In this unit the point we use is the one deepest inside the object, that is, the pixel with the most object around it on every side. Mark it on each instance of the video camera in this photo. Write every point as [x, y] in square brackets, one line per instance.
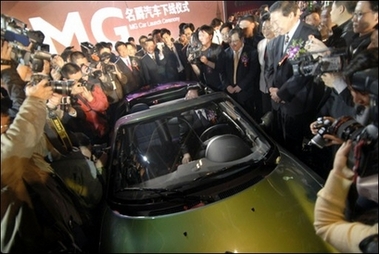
[93, 58]
[194, 48]
[99, 149]
[26, 44]
[90, 51]
[107, 68]
[306, 65]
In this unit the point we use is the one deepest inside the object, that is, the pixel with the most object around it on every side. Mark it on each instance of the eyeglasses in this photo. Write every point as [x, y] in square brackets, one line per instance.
[360, 14]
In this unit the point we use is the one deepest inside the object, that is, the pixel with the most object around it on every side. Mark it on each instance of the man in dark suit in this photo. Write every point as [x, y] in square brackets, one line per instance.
[250, 27]
[176, 59]
[295, 98]
[153, 64]
[192, 124]
[130, 66]
[188, 30]
[241, 70]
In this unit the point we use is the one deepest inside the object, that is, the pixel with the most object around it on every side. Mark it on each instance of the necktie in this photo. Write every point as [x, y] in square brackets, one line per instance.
[128, 63]
[235, 67]
[286, 41]
[202, 118]
[153, 56]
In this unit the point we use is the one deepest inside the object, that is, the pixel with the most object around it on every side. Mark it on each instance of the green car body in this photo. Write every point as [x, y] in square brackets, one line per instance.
[271, 211]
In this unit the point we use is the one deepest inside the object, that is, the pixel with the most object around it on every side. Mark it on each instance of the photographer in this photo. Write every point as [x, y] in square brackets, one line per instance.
[356, 85]
[38, 213]
[346, 208]
[330, 222]
[91, 99]
[112, 85]
[339, 101]
[205, 60]
[11, 79]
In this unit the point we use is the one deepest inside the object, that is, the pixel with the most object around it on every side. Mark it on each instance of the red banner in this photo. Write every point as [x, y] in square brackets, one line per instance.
[70, 23]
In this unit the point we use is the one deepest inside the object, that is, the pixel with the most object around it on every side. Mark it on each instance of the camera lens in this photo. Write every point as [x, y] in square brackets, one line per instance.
[346, 128]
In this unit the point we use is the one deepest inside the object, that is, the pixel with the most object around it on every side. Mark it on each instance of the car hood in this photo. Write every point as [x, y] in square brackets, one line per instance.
[274, 215]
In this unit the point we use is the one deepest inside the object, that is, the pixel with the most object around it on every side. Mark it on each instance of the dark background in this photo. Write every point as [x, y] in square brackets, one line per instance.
[239, 8]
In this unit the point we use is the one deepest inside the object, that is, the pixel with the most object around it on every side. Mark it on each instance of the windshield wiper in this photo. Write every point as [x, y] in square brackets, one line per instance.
[238, 168]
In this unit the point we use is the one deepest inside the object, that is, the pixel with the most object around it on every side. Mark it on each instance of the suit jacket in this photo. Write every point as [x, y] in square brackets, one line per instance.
[172, 62]
[209, 76]
[247, 76]
[300, 93]
[135, 78]
[190, 127]
[154, 71]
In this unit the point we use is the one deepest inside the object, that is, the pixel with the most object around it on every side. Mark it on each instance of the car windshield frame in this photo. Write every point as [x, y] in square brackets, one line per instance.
[128, 163]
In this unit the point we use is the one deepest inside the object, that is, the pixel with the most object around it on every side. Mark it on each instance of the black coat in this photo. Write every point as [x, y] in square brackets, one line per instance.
[300, 93]
[154, 71]
[135, 79]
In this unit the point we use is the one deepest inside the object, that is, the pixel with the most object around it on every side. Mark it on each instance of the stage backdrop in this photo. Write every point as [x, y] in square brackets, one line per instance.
[70, 23]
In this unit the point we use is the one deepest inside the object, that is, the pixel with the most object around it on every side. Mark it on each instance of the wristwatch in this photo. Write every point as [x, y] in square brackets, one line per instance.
[6, 62]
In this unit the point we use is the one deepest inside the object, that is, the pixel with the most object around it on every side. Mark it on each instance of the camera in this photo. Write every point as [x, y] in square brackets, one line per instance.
[59, 86]
[364, 139]
[90, 51]
[306, 65]
[344, 128]
[110, 68]
[38, 60]
[104, 56]
[99, 149]
[107, 68]
[194, 48]
[19, 37]
[322, 127]
[91, 70]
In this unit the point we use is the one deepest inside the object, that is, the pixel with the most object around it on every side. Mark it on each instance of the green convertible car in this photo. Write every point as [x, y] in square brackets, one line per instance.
[241, 192]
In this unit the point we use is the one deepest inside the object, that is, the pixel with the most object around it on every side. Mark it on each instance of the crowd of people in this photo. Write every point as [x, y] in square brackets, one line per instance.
[248, 57]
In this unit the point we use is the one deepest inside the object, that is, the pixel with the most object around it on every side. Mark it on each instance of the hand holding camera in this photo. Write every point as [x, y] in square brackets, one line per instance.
[341, 157]
[54, 101]
[329, 131]
[81, 89]
[40, 90]
[316, 47]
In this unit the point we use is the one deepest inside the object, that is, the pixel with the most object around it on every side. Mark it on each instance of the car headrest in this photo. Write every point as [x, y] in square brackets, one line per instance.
[139, 107]
[227, 147]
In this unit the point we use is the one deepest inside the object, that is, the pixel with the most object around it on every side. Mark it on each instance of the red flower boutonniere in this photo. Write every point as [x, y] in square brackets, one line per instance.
[294, 51]
[244, 59]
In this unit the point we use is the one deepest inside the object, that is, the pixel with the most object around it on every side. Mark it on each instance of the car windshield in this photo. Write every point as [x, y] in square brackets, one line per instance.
[149, 146]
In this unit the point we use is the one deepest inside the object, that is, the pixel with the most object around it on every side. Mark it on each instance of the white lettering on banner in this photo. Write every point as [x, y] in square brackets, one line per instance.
[134, 26]
[144, 12]
[98, 19]
[139, 13]
[72, 26]
[171, 20]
